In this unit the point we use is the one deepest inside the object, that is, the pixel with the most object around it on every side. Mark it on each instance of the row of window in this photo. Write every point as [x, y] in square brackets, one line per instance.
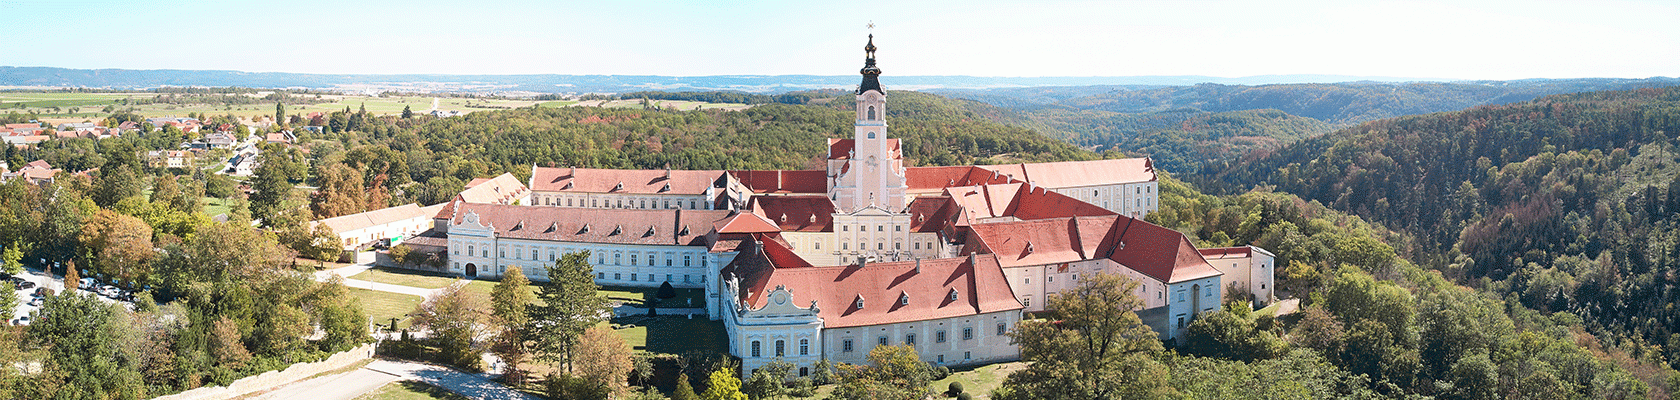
[634, 277]
[878, 228]
[619, 203]
[781, 347]
[846, 345]
[600, 257]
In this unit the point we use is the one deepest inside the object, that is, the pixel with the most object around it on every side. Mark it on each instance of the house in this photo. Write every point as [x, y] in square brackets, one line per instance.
[169, 158]
[280, 137]
[36, 172]
[394, 223]
[219, 140]
[1248, 269]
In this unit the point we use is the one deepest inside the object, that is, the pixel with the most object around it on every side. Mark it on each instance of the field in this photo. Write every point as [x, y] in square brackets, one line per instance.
[405, 278]
[78, 107]
[673, 335]
[382, 306]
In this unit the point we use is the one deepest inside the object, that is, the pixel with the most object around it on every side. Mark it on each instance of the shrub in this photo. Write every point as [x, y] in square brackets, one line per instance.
[965, 396]
[940, 372]
[955, 388]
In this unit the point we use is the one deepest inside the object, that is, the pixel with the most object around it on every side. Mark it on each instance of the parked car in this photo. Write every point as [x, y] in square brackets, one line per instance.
[43, 291]
[37, 301]
[21, 321]
[25, 285]
[88, 283]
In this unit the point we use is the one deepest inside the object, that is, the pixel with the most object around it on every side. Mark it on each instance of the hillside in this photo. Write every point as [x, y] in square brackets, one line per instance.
[1182, 140]
[1568, 202]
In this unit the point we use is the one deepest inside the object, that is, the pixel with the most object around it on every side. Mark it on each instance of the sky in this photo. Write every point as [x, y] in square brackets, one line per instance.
[1409, 39]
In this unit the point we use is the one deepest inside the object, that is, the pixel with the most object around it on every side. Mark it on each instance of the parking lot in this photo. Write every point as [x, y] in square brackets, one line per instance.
[26, 298]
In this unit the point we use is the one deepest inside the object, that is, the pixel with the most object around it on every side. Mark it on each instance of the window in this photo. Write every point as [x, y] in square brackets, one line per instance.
[1002, 328]
[633, 277]
[918, 246]
[618, 259]
[600, 275]
[804, 348]
[650, 277]
[501, 253]
[667, 261]
[702, 279]
[781, 348]
[804, 371]
[533, 254]
[968, 333]
[456, 250]
[898, 228]
[618, 276]
[1050, 279]
[551, 255]
[941, 358]
[632, 258]
[898, 246]
[939, 337]
[1180, 321]
[469, 250]
[845, 245]
[688, 260]
[880, 228]
[755, 346]
[685, 278]
[846, 346]
[1026, 301]
[667, 277]
[860, 303]
[904, 299]
[880, 246]
[871, 114]
[1027, 280]
[817, 245]
[845, 228]
[882, 341]
[871, 135]
[965, 356]
[910, 339]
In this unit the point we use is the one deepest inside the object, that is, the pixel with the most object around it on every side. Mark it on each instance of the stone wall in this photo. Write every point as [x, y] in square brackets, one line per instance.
[274, 379]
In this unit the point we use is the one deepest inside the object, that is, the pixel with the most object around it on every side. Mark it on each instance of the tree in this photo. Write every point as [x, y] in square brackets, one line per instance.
[569, 303]
[684, 390]
[11, 259]
[455, 319]
[769, 381]
[220, 186]
[340, 315]
[282, 330]
[323, 244]
[894, 373]
[1230, 334]
[602, 358]
[87, 344]
[116, 185]
[407, 112]
[280, 113]
[122, 244]
[72, 279]
[509, 303]
[1098, 350]
[226, 346]
[723, 385]
[401, 253]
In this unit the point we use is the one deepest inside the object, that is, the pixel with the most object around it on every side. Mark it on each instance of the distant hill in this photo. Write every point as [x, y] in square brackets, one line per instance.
[550, 83]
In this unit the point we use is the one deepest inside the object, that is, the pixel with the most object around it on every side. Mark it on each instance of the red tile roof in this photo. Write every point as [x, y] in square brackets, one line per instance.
[778, 181]
[989, 203]
[796, 213]
[931, 214]
[1079, 173]
[590, 180]
[1158, 252]
[502, 189]
[980, 286]
[745, 222]
[658, 227]
[1226, 252]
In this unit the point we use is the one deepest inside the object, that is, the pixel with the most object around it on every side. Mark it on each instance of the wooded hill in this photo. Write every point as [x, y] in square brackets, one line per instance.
[1569, 202]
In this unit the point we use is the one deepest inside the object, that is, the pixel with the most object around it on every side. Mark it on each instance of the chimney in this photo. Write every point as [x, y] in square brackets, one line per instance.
[862, 261]
[918, 265]
[971, 259]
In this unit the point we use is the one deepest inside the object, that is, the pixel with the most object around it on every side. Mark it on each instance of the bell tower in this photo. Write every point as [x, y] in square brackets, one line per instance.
[872, 174]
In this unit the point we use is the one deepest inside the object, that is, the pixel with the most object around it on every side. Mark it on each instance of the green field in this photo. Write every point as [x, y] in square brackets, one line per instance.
[410, 390]
[382, 306]
[639, 296]
[402, 277]
[673, 335]
[90, 105]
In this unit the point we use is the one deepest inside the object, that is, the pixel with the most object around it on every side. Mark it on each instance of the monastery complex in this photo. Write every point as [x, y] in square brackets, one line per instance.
[813, 264]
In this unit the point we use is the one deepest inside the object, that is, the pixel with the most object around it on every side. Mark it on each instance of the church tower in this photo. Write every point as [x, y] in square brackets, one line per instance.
[868, 170]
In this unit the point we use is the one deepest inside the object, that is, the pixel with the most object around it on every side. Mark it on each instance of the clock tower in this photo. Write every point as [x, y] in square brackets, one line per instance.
[869, 170]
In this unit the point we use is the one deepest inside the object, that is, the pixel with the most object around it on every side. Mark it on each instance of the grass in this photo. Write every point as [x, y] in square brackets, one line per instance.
[401, 277]
[673, 335]
[410, 390]
[639, 296]
[214, 206]
[978, 382]
[382, 306]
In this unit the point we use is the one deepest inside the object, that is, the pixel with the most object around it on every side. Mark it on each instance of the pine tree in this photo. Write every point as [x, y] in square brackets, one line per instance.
[407, 112]
[279, 113]
[570, 303]
[684, 391]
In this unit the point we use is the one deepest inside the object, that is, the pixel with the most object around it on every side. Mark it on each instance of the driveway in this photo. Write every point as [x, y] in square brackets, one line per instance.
[347, 386]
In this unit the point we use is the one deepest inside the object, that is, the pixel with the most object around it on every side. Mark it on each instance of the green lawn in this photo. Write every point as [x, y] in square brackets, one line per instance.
[673, 335]
[382, 306]
[639, 296]
[978, 382]
[214, 206]
[403, 277]
[410, 390]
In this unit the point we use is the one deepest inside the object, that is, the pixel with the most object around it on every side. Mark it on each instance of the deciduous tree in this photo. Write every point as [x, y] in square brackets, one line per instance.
[569, 303]
[455, 319]
[1098, 349]
[603, 358]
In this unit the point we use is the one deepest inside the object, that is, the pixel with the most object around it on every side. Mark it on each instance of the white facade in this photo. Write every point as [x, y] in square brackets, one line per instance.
[1135, 200]
[1247, 269]
[394, 223]
[873, 174]
[476, 251]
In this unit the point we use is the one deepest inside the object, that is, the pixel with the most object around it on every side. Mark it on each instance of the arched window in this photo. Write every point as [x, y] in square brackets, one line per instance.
[871, 116]
[755, 346]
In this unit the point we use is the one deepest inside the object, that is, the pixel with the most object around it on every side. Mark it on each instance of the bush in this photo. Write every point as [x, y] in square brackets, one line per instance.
[572, 387]
[801, 387]
[940, 372]
[965, 396]
[955, 388]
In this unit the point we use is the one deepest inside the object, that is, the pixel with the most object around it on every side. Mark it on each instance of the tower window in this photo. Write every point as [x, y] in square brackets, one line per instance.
[871, 118]
[871, 135]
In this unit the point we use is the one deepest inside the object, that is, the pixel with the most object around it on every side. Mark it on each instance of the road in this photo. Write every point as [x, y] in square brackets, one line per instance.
[348, 385]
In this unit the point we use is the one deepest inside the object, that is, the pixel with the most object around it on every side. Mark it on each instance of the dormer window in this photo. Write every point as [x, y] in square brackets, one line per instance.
[584, 230]
[1029, 247]
[619, 187]
[953, 295]
[903, 299]
[684, 231]
[667, 188]
[616, 230]
[859, 302]
[650, 232]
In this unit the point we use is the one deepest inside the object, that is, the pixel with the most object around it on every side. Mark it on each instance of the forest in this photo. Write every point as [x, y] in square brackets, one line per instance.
[1566, 203]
